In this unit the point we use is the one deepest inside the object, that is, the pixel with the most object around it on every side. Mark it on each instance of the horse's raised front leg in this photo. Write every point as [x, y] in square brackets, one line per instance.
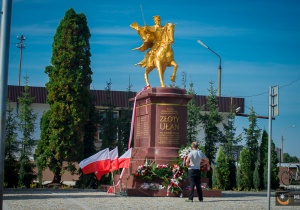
[173, 77]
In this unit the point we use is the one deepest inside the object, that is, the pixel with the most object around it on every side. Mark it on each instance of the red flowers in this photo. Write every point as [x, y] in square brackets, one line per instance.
[205, 168]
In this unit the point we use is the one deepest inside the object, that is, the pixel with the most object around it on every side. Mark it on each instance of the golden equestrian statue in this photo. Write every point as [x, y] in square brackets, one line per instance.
[157, 40]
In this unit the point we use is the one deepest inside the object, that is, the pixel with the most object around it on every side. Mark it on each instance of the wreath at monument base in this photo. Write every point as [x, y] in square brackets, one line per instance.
[160, 176]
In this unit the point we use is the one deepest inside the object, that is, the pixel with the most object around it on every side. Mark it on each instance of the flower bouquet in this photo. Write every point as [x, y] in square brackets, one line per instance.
[173, 184]
[205, 168]
[145, 171]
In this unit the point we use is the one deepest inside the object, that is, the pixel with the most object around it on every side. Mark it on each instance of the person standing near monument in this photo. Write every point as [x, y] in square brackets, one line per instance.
[194, 161]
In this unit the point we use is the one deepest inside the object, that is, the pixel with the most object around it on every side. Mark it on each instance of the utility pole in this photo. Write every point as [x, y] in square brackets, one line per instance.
[4, 61]
[20, 45]
[273, 112]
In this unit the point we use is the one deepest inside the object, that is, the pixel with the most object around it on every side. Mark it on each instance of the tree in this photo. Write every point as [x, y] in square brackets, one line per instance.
[68, 96]
[210, 121]
[124, 124]
[193, 116]
[246, 172]
[26, 126]
[11, 165]
[229, 141]
[288, 159]
[256, 179]
[265, 184]
[263, 158]
[252, 135]
[222, 173]
[264, 162]
[229, 138]
[108, 121]
[215, 183]
[274, 169]
[90, 130]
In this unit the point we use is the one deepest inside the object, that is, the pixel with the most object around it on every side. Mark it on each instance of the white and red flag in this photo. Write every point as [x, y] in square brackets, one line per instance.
[97, 162]
[114, 163]
[124, 160]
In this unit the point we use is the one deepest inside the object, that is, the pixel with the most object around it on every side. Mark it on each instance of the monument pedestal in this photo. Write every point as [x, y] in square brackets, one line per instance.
[160, 125]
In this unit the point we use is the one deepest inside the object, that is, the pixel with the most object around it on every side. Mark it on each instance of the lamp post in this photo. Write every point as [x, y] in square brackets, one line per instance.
[281, 153]
[219, 70]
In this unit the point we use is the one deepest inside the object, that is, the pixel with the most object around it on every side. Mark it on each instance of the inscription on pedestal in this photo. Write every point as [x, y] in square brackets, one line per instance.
[142, 127]
[169, 126]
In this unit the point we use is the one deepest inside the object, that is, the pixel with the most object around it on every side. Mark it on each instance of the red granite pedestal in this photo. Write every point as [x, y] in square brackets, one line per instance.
[160, 125]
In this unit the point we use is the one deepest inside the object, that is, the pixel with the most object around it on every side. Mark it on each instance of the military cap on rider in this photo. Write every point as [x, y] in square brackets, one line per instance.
[156, 17]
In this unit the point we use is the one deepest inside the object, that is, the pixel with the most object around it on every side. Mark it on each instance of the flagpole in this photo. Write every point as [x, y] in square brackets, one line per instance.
[113, 181]
[127, 180]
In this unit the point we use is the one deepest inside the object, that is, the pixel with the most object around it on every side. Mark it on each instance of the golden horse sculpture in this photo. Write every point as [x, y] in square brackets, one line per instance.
[158, 39]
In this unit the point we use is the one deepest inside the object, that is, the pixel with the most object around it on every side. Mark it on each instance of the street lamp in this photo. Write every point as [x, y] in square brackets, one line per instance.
[281, 155]
[219, 70]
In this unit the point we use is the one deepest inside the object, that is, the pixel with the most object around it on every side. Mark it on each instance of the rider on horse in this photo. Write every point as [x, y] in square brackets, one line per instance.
[157, 40]
[151, 37]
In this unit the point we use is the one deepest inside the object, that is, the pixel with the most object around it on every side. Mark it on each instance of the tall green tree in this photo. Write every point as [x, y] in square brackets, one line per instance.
[229, 141]
[68, 96]
[263, 158]
[245, 170]
[252, 134]
[264, 162]
[193, 116]
[222, 173]
[210, 121]
[11, 166]
[26, 126]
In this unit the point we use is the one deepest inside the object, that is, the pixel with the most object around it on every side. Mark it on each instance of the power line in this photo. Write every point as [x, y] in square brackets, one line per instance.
[286, 85]
[290, 83]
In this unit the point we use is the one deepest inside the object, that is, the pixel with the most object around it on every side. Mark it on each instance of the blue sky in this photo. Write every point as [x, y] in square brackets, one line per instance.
[258, 42]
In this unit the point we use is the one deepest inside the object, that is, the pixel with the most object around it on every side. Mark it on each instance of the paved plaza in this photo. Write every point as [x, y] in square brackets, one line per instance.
[51, 199]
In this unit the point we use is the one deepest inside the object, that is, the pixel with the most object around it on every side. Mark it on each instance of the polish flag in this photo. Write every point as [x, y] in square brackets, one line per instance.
[124, 160]
[114, 164]
[97, 162]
